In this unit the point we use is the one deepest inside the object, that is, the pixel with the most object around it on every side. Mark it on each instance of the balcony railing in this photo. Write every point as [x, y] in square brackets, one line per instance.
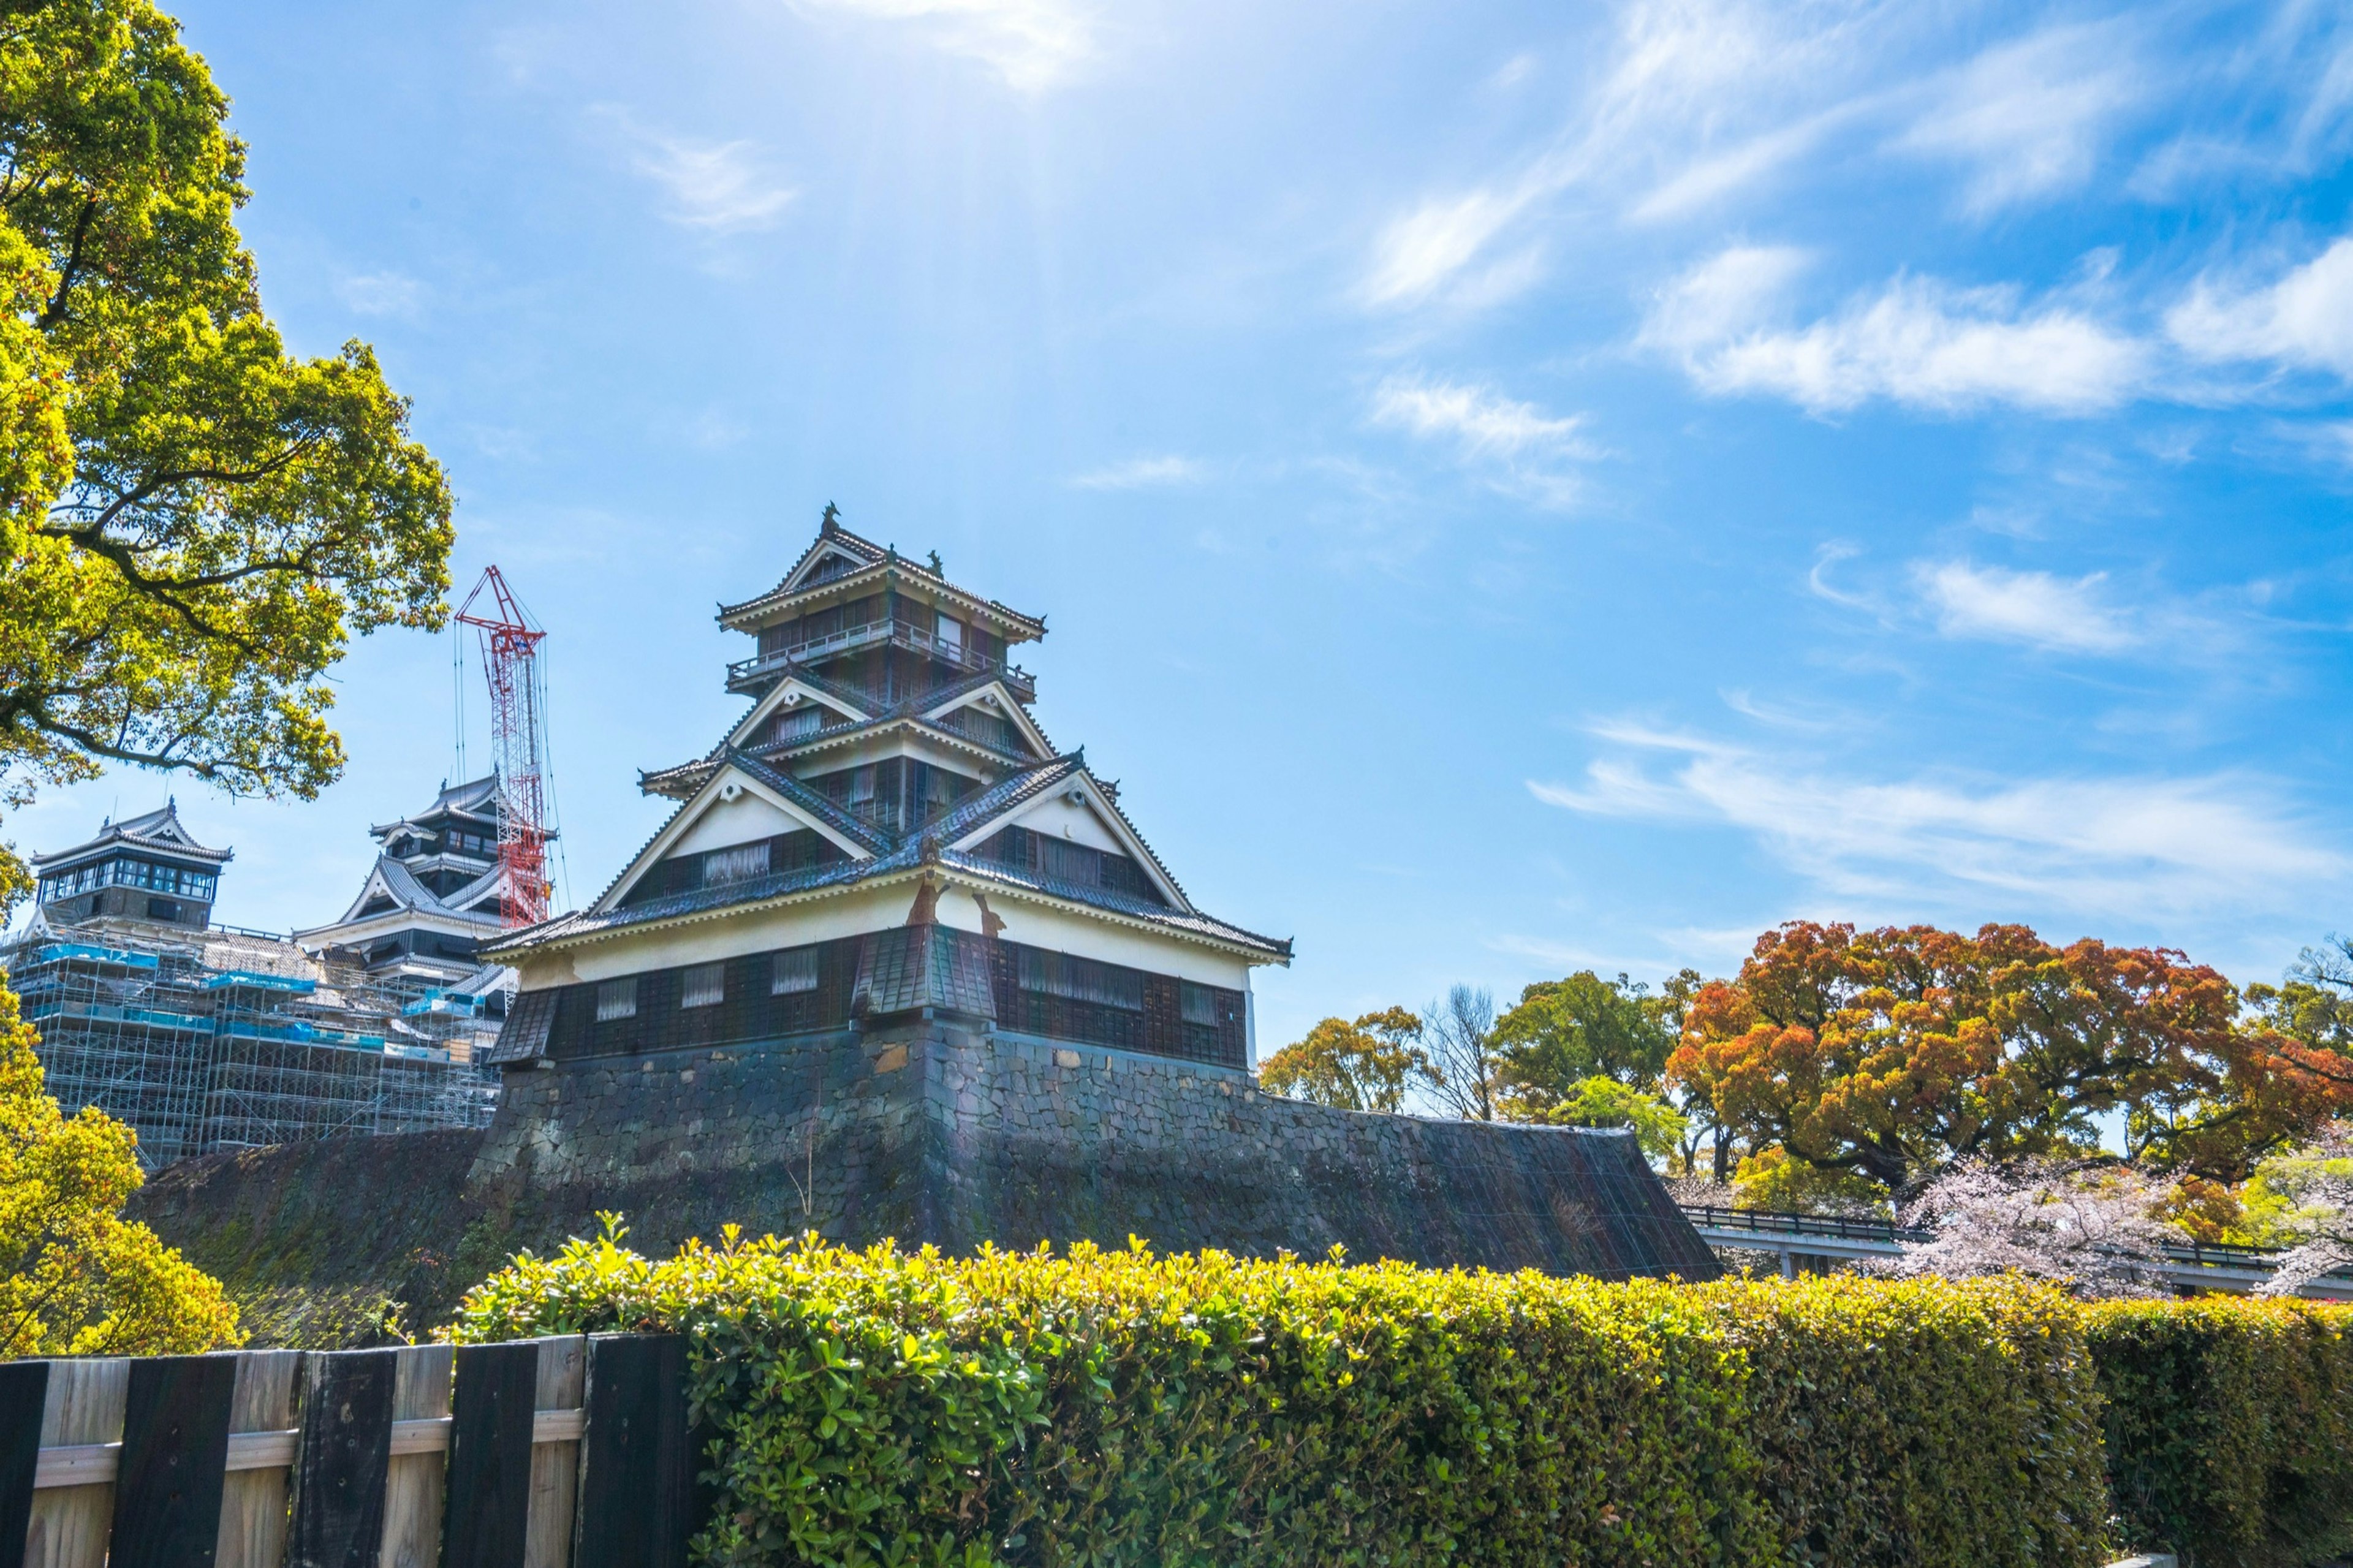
[759, 667]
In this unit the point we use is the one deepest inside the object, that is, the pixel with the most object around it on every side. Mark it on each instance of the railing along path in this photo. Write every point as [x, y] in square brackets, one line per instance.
[570, 1452]
[2194, 1265]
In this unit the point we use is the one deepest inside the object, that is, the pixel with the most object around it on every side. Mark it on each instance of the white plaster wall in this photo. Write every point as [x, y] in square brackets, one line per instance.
[747, 817]
[1058, 818]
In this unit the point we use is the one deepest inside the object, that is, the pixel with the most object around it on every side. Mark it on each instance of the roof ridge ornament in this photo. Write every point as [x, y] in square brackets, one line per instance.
[830, 524]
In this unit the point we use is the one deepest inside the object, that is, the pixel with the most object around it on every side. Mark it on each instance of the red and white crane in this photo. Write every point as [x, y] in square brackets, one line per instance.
[519, 739]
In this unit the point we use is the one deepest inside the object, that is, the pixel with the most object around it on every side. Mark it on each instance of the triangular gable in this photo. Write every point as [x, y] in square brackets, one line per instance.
[731, 782]
[388, 878]
[1046, 813]
[830, 548]
[792, 693]
[1006, 707]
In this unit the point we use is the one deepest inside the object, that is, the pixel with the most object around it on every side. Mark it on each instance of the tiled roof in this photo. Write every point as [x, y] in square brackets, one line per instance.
[688, 775]
[906, 856]
[158, 830]
[850, 543]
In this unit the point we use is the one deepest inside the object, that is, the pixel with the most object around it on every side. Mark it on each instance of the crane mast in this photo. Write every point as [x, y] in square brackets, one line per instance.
[518, 740]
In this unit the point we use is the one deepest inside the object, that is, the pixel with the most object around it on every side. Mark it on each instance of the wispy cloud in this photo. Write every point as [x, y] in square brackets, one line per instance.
[2303, 320]
[2027, 119]
[2119, 847]
[2061, 614]
[1032, 45]
[382, 294]
[721, 187]
[1521, 448]
[1914, 341]
[1141, 473]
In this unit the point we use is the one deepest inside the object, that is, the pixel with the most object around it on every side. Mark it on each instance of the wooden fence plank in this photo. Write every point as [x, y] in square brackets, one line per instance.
[167, 1489]
[24, 1392]
[340, 1468]
[487, 1512]
[253, 1503]
[84, 1406]
[556, 1467]
[412, 1488]
[636, 1478]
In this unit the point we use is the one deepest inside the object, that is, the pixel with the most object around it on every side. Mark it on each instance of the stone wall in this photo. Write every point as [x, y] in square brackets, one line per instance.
[929, 1132]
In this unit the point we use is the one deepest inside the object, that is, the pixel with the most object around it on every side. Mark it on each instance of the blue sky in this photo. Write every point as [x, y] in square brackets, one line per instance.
[1513, 487]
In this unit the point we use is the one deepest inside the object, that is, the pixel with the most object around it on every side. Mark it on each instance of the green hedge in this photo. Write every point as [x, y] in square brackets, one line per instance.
[2229, 1428]
[1106, 1408]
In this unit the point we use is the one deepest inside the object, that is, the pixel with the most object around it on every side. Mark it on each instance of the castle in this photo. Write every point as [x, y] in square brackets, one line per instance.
[896, 966]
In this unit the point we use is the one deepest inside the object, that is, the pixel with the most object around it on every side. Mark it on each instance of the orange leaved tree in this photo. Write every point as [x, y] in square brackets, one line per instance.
[1872, 1057]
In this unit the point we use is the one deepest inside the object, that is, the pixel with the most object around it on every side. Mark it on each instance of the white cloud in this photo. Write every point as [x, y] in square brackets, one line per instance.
[2064, 614]
[2121, 847]
[1915, 342]
[1522, 447]
[723, 187]
[1033, 45]
[382, 294]
[1141, 473]
[2027, 116]
[1484, 421]
[1430, 245]
[2304, 319]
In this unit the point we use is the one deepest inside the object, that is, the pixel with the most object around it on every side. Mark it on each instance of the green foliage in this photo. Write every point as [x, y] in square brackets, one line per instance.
[1605, 1103]
[1362, 1066]
[1119, 1407]
[76, 1279]
[193, 521]
[1563, 1032]
[2229, 1428]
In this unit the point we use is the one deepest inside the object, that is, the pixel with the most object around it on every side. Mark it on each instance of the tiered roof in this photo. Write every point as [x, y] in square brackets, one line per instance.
[1009, 783]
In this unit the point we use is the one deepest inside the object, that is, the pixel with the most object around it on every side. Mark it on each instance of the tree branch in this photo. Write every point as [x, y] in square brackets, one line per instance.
[56, 313]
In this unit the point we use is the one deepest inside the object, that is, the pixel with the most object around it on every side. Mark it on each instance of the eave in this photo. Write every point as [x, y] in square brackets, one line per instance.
[1257, 951]
[1008, 623]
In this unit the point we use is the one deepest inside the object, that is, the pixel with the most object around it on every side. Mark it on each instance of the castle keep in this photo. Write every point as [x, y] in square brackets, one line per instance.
[885, 834]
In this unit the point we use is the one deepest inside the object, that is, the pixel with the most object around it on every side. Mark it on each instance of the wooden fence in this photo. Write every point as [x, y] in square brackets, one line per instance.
[553, 1453]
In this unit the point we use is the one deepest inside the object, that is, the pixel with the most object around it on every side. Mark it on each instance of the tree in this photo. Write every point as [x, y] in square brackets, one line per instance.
[2310, 1193]
[194, 522]
[1886, 1055]
[1362, 1066]
[1562, 1032]
[1605, 1103]
[1460, 1068]
[2095, 1230]
[75, 1278]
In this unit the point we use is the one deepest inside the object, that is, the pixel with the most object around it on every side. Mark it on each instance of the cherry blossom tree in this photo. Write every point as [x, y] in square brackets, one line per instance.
[2092, 1230]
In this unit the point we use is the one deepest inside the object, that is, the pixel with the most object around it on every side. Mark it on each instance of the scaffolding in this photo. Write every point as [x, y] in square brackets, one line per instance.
[231, 1039]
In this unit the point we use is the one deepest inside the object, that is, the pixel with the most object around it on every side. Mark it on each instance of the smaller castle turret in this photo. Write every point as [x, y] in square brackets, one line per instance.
[148, 868]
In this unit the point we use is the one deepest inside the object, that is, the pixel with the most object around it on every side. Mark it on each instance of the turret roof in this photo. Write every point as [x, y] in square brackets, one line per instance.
[156, 832]
[874, 559]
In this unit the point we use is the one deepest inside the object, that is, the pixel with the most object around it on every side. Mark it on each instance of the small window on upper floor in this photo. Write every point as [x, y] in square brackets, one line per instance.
[616, 999]
[739, 864]
[1198, 1004]
[705, 986]
[951, 633]
[795, 972]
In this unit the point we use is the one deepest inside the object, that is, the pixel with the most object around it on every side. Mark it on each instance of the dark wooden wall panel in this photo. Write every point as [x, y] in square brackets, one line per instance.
[24, 1391]
[485, 1522]
[636, 1482]
[167, 1493]
[340, 1468]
